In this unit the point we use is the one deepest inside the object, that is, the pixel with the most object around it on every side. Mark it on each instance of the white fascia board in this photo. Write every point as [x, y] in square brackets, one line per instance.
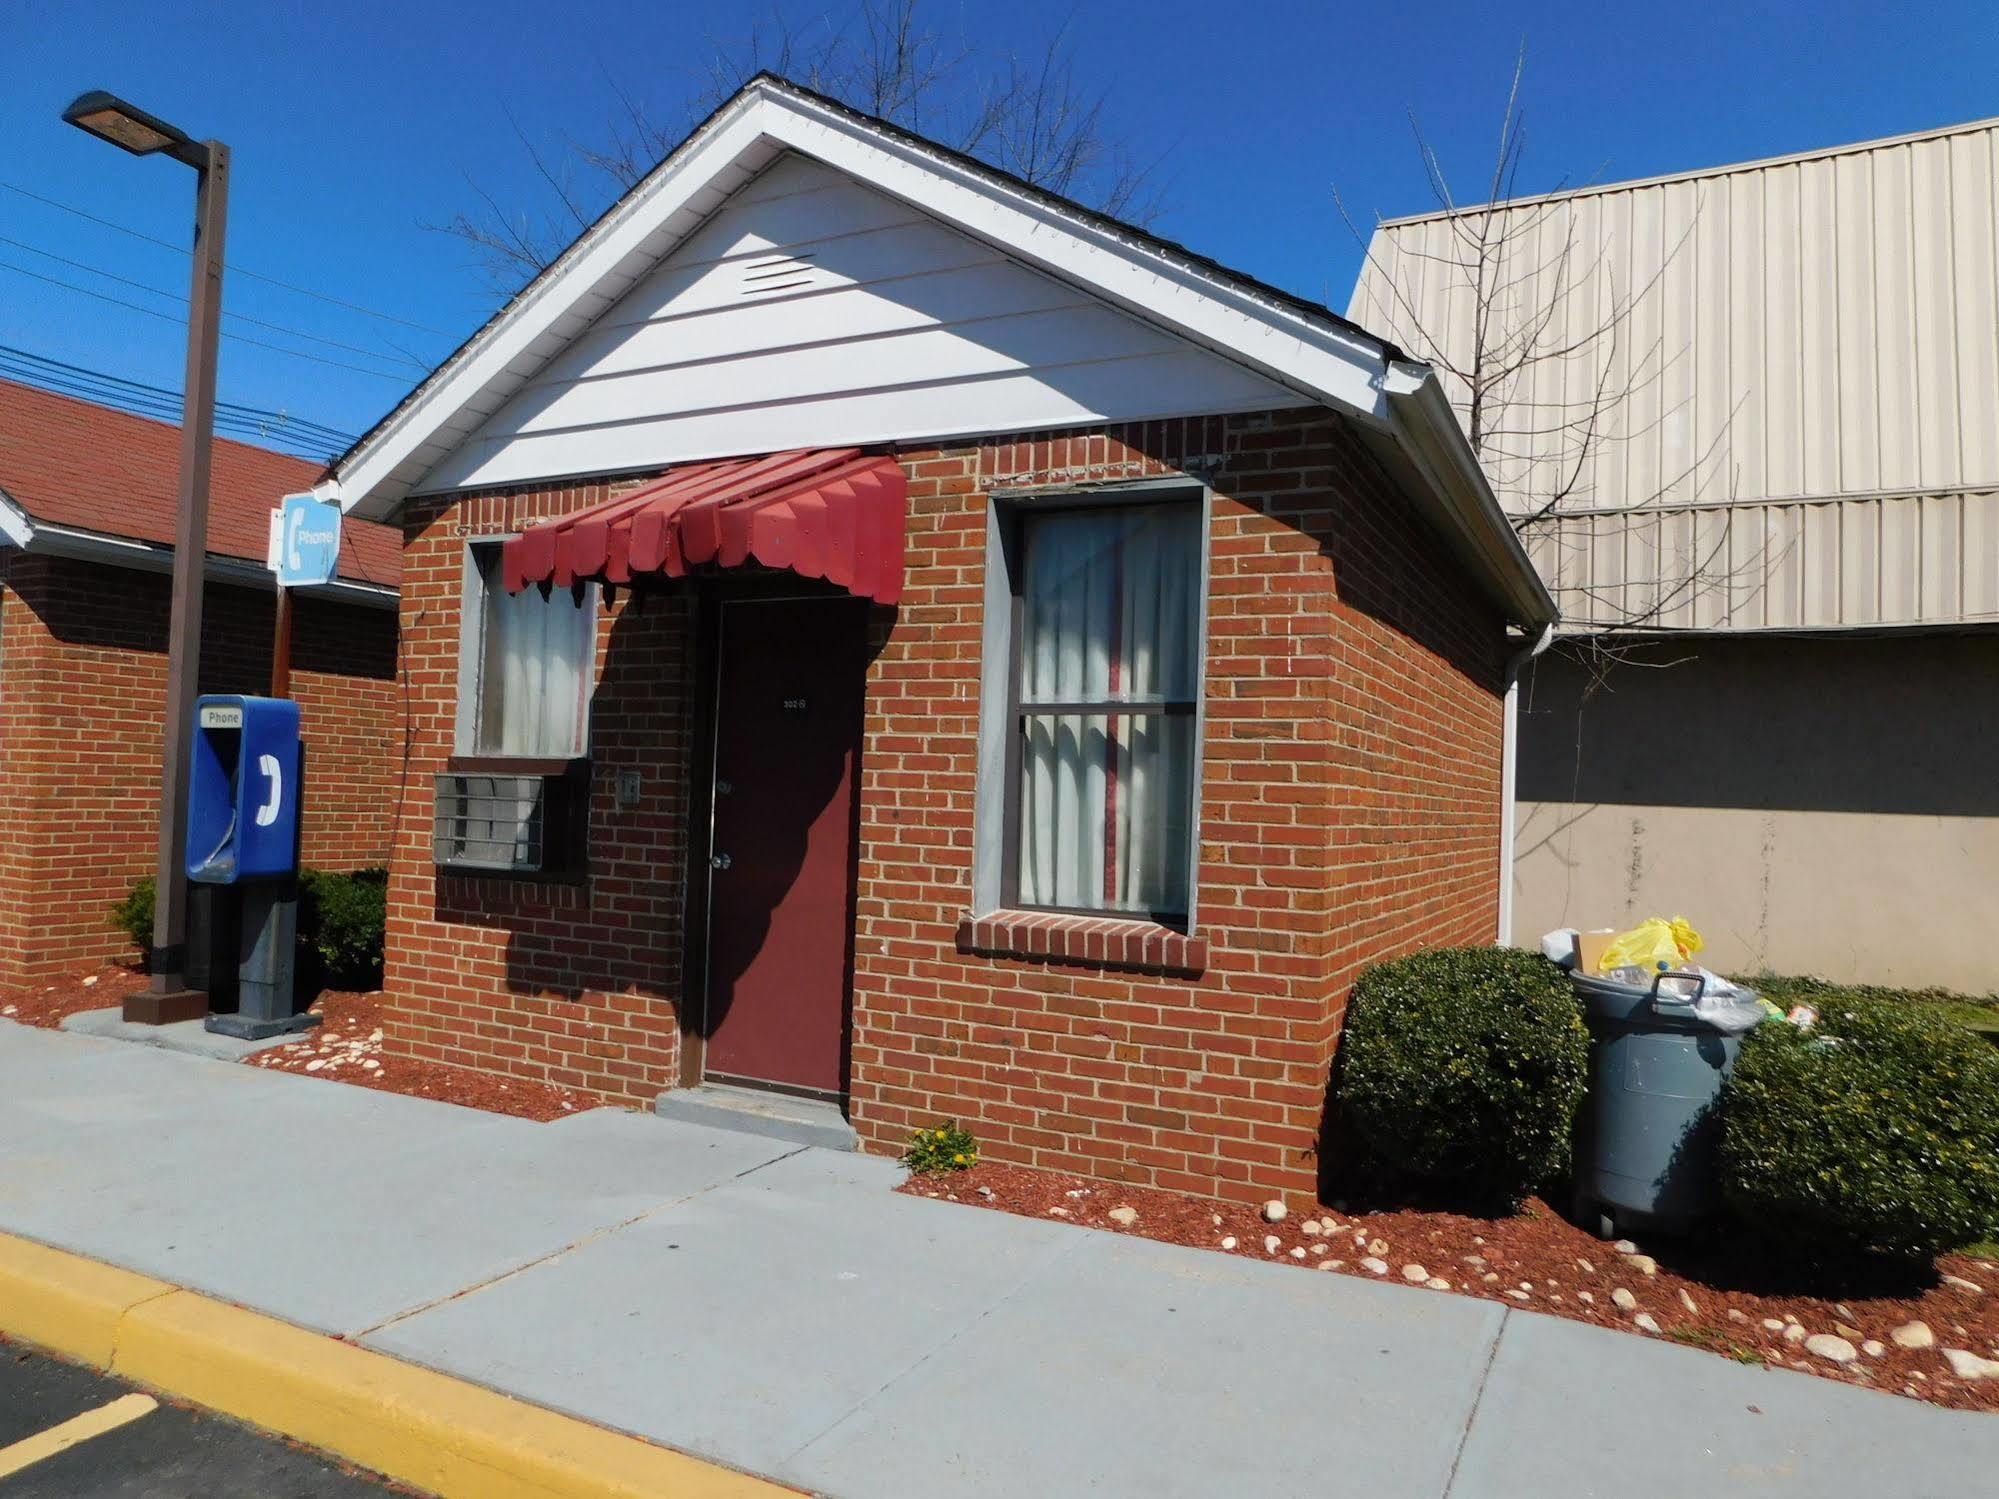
[15, 527]
[366, 486]
[1334, 365]
[146, 556]
[1428, 434]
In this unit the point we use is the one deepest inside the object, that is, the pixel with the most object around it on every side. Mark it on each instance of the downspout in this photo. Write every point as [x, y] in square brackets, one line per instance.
[1508, 770]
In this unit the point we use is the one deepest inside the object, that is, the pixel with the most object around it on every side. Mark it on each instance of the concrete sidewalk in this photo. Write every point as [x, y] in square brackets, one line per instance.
[782, 1311]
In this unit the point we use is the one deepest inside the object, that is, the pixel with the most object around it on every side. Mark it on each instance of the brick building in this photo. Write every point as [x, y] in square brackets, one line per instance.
[884, 636]
[87, 500]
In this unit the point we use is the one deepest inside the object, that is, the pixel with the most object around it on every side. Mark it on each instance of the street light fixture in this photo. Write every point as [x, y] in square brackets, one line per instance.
[130, 128]
[110, 118]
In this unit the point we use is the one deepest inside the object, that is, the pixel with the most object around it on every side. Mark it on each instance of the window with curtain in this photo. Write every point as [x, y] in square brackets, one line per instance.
[532, 659]
[1105, 690]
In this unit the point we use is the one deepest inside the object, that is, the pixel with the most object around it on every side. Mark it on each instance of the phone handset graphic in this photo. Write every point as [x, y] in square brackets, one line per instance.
[268, 766]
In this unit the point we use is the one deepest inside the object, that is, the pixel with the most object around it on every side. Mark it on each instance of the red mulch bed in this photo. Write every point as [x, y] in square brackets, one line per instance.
[47, 1005]
[348, 1038]
[1539, 1261]
[347, 1047]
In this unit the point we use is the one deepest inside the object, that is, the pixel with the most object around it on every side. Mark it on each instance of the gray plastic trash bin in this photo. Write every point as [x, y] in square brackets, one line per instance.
[1651, 1124]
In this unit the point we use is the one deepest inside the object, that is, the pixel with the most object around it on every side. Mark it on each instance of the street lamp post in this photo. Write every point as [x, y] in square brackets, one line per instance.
[131, 129]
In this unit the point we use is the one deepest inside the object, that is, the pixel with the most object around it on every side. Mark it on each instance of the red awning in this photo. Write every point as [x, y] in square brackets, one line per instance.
[821, 513]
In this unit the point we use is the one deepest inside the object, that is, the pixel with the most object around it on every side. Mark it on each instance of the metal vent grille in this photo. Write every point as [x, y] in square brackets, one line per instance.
[491, 822]
[775, 273]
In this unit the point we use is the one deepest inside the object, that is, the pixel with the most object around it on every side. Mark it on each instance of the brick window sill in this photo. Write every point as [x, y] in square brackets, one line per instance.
[1095, 941]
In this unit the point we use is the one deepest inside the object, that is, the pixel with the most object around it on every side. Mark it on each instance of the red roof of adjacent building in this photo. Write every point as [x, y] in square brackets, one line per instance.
[74, 463]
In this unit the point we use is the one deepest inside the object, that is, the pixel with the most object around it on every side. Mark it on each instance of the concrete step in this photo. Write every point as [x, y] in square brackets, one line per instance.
[776, 1116]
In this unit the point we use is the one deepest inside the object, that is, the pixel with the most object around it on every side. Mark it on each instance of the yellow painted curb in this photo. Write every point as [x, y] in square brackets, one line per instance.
[410, 1424]
[65, 1302]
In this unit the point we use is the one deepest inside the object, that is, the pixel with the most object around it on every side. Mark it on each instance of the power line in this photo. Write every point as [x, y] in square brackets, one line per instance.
[276, 432]
[267, 434]
[241, 317]
[42, 367]
[167, 244]
[86, 372]
[241, 338]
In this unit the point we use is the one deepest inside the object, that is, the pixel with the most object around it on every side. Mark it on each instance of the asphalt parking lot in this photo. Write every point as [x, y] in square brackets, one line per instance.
[70, 1433]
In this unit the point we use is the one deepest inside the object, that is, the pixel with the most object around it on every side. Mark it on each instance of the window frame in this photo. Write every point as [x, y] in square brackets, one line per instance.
[469, 708]
[997, 814]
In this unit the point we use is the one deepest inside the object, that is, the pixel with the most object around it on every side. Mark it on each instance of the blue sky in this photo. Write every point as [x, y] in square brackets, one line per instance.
[353, 124]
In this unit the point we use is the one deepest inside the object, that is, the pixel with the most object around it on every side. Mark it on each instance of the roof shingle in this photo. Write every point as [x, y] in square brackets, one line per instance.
[70, 462]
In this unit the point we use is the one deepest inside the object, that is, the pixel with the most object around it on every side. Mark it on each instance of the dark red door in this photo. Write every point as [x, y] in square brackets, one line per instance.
[780, 903]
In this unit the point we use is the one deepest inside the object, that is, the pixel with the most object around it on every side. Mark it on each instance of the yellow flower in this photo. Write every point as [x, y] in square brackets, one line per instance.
[940, 1134]
[958, 1159]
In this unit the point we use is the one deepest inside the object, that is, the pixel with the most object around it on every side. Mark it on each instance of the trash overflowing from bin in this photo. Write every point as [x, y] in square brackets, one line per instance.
[1661, 950]
[1664, 1035]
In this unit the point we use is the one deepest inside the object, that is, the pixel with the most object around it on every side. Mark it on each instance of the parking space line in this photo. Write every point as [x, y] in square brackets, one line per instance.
[67, 1434]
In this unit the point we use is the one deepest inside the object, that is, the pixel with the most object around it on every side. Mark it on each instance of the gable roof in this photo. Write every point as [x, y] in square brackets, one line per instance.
[75, 465]
[1300, 345]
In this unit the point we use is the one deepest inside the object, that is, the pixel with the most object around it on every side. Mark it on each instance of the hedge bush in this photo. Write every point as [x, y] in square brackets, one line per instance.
[340, 917]
[1876, 1131]
[134, 914]
[1463, 1067]
[340, 921]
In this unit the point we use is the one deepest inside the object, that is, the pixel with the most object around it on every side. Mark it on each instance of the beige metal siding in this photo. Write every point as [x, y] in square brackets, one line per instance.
[1809, 429]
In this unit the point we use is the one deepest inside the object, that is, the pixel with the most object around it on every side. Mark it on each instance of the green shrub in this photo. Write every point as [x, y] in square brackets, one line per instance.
[942, 1148]
[1978, 1012]
[340, 921]
[1463, 1067]
[1875, 1131]
[134, 914]
[340, 918]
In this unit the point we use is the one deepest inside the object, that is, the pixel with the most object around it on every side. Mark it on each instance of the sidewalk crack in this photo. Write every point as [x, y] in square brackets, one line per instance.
[554, 1254]
[1478, 1398]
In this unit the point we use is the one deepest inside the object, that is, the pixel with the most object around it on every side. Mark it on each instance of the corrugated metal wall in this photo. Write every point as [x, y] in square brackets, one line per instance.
[1803, 423]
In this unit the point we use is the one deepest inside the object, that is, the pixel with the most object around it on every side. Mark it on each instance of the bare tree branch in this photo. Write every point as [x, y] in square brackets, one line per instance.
[1028, 114]
[1538, 334]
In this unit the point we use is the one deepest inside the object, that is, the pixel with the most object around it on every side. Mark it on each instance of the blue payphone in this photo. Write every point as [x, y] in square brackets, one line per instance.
[245, 784]
[243, 790]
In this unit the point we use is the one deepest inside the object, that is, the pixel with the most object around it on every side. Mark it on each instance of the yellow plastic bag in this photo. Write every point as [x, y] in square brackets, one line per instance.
[1650, 943]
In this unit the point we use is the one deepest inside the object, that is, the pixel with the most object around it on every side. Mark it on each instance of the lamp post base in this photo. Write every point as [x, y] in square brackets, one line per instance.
[149, 1008]
[250, 1028]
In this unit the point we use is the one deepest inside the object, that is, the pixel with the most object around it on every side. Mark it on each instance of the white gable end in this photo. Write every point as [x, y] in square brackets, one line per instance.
[814, 310]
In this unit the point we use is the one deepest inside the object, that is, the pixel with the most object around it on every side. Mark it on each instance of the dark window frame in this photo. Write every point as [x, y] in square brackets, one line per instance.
[1015, 517]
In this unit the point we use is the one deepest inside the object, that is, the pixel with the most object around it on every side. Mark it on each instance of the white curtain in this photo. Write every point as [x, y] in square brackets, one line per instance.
[1110, 608]
[534, 669]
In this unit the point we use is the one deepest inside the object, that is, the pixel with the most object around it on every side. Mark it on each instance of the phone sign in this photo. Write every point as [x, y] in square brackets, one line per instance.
[305, 547]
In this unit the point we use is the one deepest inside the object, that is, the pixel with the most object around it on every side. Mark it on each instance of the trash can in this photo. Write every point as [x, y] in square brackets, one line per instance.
[1650, 1125]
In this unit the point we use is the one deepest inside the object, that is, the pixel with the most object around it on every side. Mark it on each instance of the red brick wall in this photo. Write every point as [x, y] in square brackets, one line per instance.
[82, 686]
[1350, 811]
[574, 983]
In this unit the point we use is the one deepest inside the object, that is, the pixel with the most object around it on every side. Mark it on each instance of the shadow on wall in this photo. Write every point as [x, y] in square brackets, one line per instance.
[572, 935]
[1390, 566]
[106, 608]
[1881, 724]
[622, 927]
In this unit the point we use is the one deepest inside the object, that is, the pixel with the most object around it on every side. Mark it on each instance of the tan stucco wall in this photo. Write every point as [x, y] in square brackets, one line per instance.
[1824, 806]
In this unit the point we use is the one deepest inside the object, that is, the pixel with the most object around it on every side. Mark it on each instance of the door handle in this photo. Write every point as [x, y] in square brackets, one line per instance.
[719, 861]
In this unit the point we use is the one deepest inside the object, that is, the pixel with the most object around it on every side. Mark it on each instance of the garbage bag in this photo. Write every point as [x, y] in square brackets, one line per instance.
[1559, 946]
[1728, 1007]
[1653, 943]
